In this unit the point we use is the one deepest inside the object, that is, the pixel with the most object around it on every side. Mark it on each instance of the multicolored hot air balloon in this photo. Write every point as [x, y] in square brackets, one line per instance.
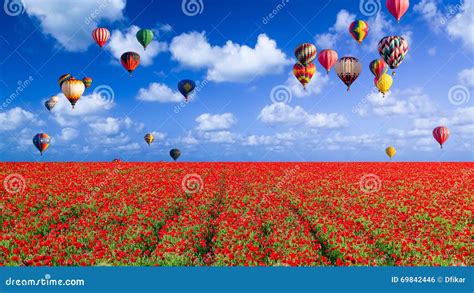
[393, 50]
[397, 8]
[101, 35]
[41, 142]
[87, 82]
[185, 87]
[49, 104]
[384, 83]
[63, 78]
[304, 73]
[359, 30]
[175, 153]
[305, 53]
[327, 58]
[348, 69]
[390, 151]
[144, 37]
[149, 138]
[130, 61]
[73, 90]
[378, 67]
[441, 134]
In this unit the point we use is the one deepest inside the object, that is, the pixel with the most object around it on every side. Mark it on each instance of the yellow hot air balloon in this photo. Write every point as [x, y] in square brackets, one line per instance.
[149, 138]
[73, 90]
[384, 83]
[390, 151]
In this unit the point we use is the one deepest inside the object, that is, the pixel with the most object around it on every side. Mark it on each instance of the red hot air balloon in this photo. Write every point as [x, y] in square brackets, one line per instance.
[441, 134]
[398, 8]
[101, 36]
[327, 58]
[130, 61]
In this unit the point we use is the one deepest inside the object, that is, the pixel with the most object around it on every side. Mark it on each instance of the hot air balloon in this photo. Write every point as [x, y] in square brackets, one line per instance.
[101, 35]
[348, 69]
[49, 104]
[393, 50]
[73, 90]
[41, 142]
[149, 138]
[441, 134]
[130, 61]
[384, 82]
[175, 153]
[87, 82]
[378, 67]
[397, 8]
[116, 161]
[304, 73]
[327, 58]
[305, 53]
[359, 30]
[390, 151]
[144, 37]
[63, 78]
[185, 87]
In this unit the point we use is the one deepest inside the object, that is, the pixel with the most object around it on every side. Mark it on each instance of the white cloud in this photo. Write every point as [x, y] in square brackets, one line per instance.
[215, 122]
[159, 135]
[17, 117]
[336, 32]
[159, 92]
[71, 24]
[129, 147]
[120, 43]
[219, 137]
[281, 113]
[189, 139]
[315, 87]
[466, 77]
[231, 62]
[461, 26]
[253, 140]
[68, 134]
[415, 104]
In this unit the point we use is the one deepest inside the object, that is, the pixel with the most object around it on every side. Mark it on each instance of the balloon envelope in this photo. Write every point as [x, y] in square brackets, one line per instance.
[397, 8]
[149, 138]
[327, 58]
[359, 30]
[393, 50]
[384, 83]
[348, 69]
[73, 90]
[175, 153]
[305, 53]
[304, 73]
[185, 87]
[101, 35]
[87, 82]
[390, 151]
[130, 61]
[41, 142]
[144, 37]
[441, 135]
[63, 78]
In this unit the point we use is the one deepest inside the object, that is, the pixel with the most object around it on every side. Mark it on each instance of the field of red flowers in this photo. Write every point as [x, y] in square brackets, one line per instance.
[227, 214]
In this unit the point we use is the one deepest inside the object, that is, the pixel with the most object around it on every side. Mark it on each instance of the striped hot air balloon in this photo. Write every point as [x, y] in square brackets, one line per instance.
[348, 69]
[130, 61]
[304, 73]
[441, 134]
[87, 82]
[305, 53]
[149, 138]
[101, 35]
[63, 78]
[397, 8]
[41, 142]
[393, 50]
[359, 30]
[73, 90]
[327, 58]
[378, 67]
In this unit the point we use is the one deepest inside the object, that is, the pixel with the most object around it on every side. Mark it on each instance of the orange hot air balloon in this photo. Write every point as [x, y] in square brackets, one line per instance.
[304, 73]
[73, 90]
[327, 58]
[130, 61]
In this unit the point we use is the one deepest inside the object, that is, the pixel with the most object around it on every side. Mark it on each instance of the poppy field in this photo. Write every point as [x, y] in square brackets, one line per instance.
[236, 214]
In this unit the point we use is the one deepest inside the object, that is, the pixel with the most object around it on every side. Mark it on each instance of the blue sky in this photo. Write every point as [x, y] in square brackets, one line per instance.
[249, 107]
